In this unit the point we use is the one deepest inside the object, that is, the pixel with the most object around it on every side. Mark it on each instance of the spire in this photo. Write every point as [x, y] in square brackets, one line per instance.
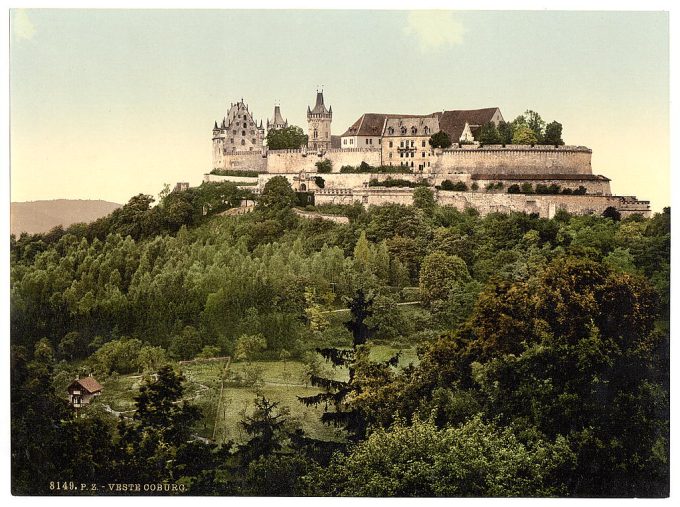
[215, 127]
[319, 107]
[278, 119]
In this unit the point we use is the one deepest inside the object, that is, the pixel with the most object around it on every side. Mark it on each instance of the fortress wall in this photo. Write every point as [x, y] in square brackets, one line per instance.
[216, 178]
[515, 159]
[544, 205]
[353, 157]
[596, 187]
[244, 161]
[291, 161]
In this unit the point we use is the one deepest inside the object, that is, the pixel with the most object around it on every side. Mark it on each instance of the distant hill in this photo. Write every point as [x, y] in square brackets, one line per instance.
[41, 216]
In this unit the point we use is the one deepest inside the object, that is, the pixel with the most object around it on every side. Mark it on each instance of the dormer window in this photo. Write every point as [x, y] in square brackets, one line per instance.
[427, 130]
[414, 130]
[403, 130]
[390, 130]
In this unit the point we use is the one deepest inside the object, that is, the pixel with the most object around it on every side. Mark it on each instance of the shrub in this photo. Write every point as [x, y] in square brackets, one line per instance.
[460, 186]
[324, 166]
[527, 188]
[513, 189]
[320, 182]
[475, 186]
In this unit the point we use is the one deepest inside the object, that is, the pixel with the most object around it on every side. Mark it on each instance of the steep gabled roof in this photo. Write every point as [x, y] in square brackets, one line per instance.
[371, 124]
[88, 383]
[453, 122]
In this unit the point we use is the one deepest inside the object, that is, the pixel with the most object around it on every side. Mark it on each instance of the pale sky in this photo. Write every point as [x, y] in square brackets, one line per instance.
[106, 104]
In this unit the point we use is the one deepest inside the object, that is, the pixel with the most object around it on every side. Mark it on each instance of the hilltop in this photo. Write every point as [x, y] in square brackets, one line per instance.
[41, 216]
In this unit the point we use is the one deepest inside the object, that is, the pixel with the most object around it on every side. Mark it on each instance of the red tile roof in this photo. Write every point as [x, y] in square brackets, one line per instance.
[88, 383]
[371, 124]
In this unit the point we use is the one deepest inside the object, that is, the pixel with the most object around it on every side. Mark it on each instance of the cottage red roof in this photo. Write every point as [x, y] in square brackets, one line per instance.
[87, 383]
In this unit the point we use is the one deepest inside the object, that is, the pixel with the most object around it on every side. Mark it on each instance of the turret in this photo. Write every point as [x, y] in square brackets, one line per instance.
[319, 124]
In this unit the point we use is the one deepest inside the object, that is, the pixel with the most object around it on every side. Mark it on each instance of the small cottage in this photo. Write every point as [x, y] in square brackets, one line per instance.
[82, 390]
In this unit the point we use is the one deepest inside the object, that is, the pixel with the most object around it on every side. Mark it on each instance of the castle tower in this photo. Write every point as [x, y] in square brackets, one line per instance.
[278, 122]
[319, 125]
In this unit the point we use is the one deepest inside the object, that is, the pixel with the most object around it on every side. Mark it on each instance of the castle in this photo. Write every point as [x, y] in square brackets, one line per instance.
[466, 174]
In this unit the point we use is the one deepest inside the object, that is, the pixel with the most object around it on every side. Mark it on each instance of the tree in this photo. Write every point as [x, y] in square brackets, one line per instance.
[488, 134]
[151, 358]
[324, 166]
[523, 134]
[287, 138]
[440, 140]
[535, 123]
[248, 346]
[160, 428]
[505, 132]
[266, 427]
[423, 198]
[553, 134]
[277, 196]
[338, 393]
[439, 273]
[613, 213]
[420, 460]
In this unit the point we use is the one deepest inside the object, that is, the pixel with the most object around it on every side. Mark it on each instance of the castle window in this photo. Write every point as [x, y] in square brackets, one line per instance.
[403, 130]
[390, 144]
[231, 140]
[245, 124]
[243, 142]
[233, 132]
[390, 130]
[423, 154]
[390, 154]
[243, 132]
[414, 130]
[344, 141]
[401, 144]
[413, 143]
[351, 141]
[254, 141]
[423, 144]
[427, 130]
[316, 133]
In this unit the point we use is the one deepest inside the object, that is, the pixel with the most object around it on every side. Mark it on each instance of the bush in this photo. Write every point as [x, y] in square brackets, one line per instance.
[513, 189]
[475, 186]
[460, 186]
[242, 173]
[320, 182]
[324, 166]
[527, 188]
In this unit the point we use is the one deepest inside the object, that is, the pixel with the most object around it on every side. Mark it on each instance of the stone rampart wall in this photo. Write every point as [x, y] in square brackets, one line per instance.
[515, 159]
[544, 205]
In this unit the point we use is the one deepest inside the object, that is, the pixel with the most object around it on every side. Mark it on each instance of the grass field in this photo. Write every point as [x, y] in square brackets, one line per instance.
[278, 381]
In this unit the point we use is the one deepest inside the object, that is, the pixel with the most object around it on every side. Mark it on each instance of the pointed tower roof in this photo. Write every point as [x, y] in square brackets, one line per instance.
[278, 119]
[319, 107]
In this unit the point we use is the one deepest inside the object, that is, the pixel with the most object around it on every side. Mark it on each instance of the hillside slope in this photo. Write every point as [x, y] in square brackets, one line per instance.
[41, 216]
